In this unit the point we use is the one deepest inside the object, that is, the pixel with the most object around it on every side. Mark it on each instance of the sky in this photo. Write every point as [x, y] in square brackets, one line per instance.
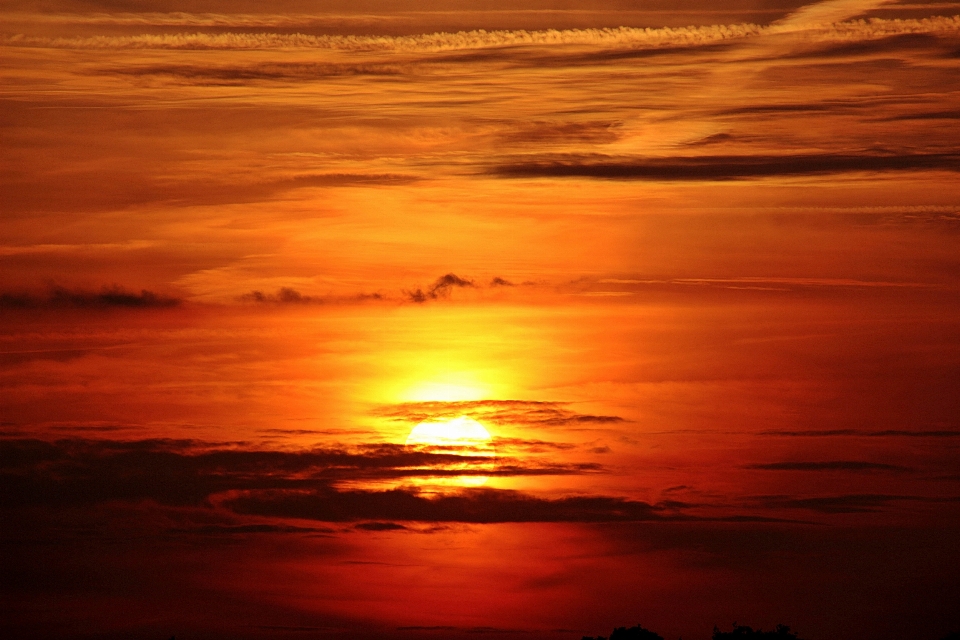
[449, 320]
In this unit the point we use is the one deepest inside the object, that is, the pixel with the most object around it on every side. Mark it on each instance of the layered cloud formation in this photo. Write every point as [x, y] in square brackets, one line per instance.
[694, 268]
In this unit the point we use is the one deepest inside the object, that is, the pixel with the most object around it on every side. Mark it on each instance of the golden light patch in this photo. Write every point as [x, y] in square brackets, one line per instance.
[445, 392]
[460, 436]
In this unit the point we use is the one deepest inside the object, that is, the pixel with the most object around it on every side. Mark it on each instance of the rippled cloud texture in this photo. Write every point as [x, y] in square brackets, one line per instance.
[693, 267]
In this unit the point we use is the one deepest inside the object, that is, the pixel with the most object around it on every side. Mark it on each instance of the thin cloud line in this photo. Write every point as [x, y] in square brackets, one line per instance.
[630, 37]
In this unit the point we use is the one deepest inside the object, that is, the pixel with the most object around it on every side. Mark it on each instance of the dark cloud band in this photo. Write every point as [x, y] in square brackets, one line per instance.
[725, 167]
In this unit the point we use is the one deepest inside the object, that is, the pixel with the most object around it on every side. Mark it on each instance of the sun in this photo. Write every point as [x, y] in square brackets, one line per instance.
[460, 436]
[461, 433]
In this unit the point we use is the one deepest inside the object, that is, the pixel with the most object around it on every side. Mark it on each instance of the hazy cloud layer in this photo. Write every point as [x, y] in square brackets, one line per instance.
[481, 506]
[517, 412]
[107, 297]
[290, 296]
[182, 472]
[284, 484]
[883, 433]
[697, 168]
[274, 71]
[819, 27]
[850, 503]
[733, 249]
[829, 465]
[306, 485]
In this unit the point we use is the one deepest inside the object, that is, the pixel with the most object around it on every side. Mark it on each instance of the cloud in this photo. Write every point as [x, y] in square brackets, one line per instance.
[290, 296]
[533, 446]
[79, 471]
[680, 168]
[444, 285]
[108, 297]
[284, 295]
[289, 484]
[819, 22]
[380, 526]
[247, 529]
[439, 289]
[126, 188]
[849, 503]
[517, 412]
[478, 506]
[923, 115]
[716, 138]
[426, 43]
[626, 286]
[831, 465]
[273, 72]
[826, 13]
[563, 132]
[884, 433]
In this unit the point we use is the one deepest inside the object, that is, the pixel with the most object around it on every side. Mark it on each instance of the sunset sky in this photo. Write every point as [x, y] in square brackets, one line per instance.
[447, 320]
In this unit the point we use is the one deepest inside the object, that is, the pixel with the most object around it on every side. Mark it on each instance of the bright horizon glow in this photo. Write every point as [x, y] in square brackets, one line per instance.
[445, 392]
[456, 432]
[539, 319]
[461, 436]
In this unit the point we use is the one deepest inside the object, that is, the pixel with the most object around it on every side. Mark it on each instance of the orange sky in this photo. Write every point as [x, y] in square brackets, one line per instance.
[693, 266]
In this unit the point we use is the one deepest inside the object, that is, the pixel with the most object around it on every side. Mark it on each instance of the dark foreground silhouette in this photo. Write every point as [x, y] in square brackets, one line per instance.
[633, 633]
[739, 632]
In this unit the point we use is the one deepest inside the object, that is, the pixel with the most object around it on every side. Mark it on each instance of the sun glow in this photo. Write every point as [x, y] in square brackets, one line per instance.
[460, 433]
[445, 392]
[460, 436]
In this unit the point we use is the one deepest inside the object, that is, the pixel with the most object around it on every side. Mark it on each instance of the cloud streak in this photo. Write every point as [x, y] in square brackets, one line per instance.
[825, 29]
[108, 297]
[847, 503]
[308, 484]
[883, 433]
[503, 412]
[828, 465]
[441, 288]
[826, 13]
[740, 167]
[479, 506]
[185, 472]
[273, 71]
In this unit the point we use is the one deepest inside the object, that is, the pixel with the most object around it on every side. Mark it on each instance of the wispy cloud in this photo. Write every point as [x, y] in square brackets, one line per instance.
[827, 465]
[820, 21]
[519, 412]
[441, 288]
[186, 472]
[847, 503]
[108, 297]
[471, 506]
[882, 433]
[290, 296]
[436, 42]
[284, 295]
[827, 13]
[267, 71]
[697, 168]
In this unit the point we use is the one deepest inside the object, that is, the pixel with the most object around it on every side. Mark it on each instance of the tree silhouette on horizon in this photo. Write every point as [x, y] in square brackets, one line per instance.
[633, 633]
[739, 632]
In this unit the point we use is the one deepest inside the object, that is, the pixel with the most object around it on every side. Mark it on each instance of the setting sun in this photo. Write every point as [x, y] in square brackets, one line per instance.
[530, 319]
[463, 433]
[460, 436]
